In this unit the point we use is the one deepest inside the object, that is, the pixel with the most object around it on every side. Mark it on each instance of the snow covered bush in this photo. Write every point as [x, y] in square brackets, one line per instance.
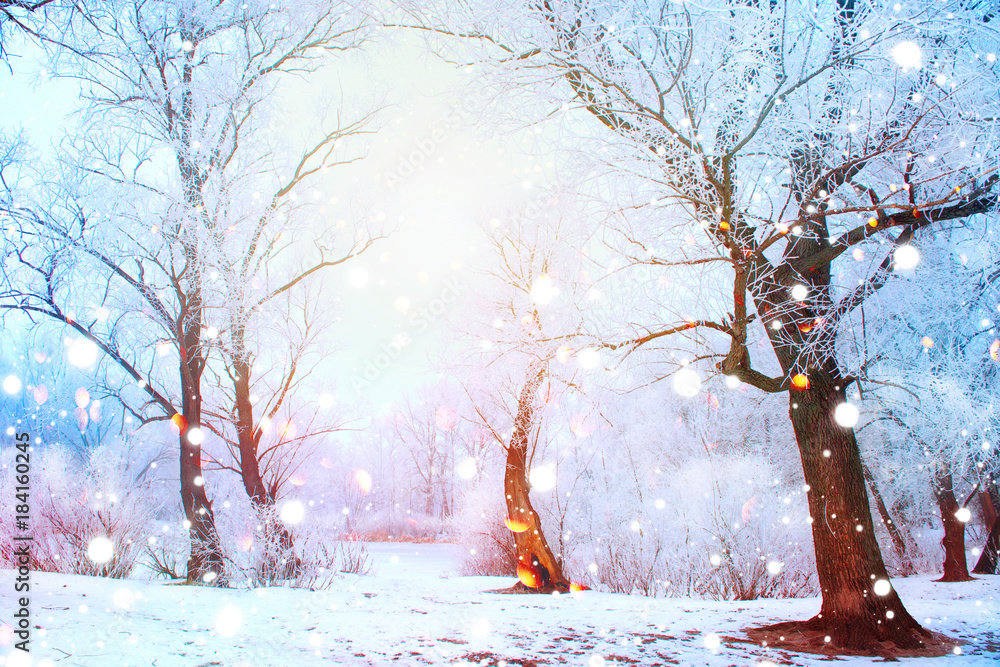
[692, 498]
[488, 544]
[91, 512]
[282, 548]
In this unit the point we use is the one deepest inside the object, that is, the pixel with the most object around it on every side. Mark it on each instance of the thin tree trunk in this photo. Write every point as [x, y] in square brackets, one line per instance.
[205, 563]
[898, 541]
[955, 566]
[537, 568]
[279, 560]
[989, 509]
[987, 563]
[990, 558]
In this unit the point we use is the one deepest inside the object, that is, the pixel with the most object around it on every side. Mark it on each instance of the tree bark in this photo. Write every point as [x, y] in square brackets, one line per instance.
[898, 541]
[279, 560]
[987, 563]
[955, 566]
[850, 567]
[990, 558]
[989, 509]
[537, 568]
[205, 563]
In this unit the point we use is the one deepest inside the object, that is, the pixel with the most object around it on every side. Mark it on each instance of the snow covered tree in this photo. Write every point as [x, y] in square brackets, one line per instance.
[933, 370]
[178, 100]
[536, 306]
[18, 15]
[773, 142]
[276, 246]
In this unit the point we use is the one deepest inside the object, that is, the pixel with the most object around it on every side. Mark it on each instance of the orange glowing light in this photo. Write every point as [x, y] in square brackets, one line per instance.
[724, 226]
[577, 588]
[873, 222]
[805, 327]
[364, 480]
[995, 350]
[515, 525]
[927, 342]
[288, 431]
[297, 480]
[181, 422]
[747, 510]
[528, 575]
[800, 381]
[246, 543]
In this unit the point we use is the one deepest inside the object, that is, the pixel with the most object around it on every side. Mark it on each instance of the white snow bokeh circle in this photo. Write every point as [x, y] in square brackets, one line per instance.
[906, 257]
[81, 353]
[293, 512]
[100, 550]
[12, 384]
[542, 478]
[687, 382]
[466, 468]
[907, 54]
[846, 415]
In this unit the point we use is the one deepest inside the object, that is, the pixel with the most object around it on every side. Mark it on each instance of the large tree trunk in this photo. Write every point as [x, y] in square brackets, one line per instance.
[537, 568]
[857, 612]
[955, 566]
[898, 541]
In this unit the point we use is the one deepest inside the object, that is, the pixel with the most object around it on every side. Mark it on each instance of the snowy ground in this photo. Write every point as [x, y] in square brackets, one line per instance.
[415, 610]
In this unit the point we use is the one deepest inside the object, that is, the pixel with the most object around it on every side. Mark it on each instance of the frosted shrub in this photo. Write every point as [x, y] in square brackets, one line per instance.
[706, 532]
[264, 551]
[488, 544]
[89, 516]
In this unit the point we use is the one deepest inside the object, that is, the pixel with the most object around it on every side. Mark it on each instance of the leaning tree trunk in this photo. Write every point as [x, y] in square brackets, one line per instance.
[898, 541]
[537, 568]
[955, 566]
[988, 560]
[987, 563]
[860, 609]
